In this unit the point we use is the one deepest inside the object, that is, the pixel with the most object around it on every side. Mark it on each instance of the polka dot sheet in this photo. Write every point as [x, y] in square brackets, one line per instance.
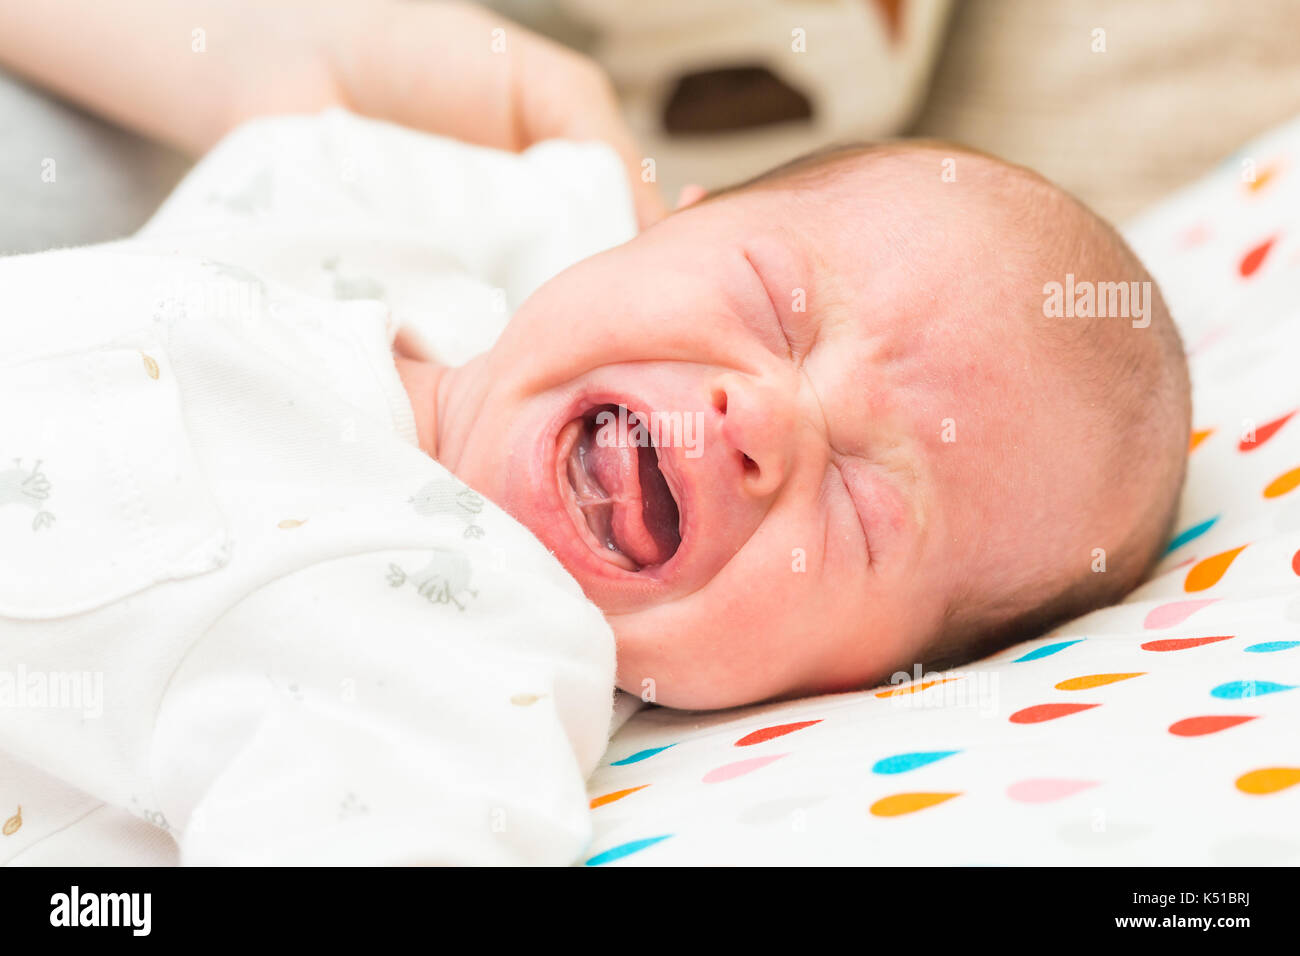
[1163, 730]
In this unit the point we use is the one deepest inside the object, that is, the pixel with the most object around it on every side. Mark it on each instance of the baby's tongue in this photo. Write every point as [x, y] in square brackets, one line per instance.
[631, 478]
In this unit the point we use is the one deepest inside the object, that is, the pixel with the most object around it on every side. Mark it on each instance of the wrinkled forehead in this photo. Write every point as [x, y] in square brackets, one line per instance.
[929, 286]
[921, 252]
[933, 216]
[934, 286]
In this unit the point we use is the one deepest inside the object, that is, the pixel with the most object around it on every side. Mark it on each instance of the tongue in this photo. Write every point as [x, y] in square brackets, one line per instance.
[645, 514]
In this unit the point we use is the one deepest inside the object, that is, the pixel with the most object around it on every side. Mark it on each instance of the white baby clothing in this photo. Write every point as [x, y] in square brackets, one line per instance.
[244, 618]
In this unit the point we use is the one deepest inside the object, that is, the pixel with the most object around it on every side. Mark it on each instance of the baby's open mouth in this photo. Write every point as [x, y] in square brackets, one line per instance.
[625, 510]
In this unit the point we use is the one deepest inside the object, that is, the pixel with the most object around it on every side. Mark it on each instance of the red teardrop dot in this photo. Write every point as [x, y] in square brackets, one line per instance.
[1264, 432]
[767, 733]
[1041, 712]
[1182, 643]
[1200, 726]
[1252, 260]
[1295, 562]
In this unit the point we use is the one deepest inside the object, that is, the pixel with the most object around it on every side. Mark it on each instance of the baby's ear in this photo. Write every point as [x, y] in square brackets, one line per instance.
[690, 195]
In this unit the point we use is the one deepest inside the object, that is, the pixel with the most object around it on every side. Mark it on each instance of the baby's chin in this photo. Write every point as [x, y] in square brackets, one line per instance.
[667, 660]
[691, 692]
[688, 695]
[699, 657]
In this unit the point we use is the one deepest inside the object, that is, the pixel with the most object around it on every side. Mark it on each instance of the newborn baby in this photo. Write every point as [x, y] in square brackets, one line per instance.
[803, 434]
[899, 456]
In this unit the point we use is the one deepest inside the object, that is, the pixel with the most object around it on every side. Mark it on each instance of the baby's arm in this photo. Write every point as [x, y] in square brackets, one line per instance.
[187, 72]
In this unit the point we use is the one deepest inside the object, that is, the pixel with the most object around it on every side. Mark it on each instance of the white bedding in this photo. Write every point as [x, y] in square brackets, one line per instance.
[1164, 730]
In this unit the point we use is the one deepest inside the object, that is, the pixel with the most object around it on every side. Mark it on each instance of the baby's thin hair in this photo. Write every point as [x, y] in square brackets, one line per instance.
[826, 161]
[1144, 397]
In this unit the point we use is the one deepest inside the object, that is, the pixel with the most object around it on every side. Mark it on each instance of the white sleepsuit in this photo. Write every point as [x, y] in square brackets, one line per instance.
[242, 615]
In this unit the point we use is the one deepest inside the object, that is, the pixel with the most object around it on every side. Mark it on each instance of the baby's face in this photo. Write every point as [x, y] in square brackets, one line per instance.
[826, 373]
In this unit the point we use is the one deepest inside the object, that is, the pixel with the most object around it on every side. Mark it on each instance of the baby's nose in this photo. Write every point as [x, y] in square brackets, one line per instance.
[757, 427]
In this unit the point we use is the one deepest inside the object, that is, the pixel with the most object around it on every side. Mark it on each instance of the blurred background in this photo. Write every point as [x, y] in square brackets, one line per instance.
[1120, 102]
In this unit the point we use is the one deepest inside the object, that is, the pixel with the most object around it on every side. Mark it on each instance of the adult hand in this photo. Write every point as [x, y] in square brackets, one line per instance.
[186, 71]
[458, 69]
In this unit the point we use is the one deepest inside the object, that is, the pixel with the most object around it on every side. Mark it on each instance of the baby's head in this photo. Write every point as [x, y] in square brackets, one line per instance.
[878, 442]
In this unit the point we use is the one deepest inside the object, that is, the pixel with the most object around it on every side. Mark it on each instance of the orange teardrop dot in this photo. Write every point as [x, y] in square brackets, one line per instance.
[1268, 780]
[1206, 574]
[13, 823]
[1262, 179]
[1283, 483]
[913, 688]
[616, 795]
[1094, 680]
[150, 366]
[1198, 437]
[899, 804]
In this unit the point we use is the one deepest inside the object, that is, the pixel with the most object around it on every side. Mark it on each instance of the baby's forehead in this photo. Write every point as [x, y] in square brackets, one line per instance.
[977, 247]
[930, 293]
[937, 199]
[901, 258]
[925, 252]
